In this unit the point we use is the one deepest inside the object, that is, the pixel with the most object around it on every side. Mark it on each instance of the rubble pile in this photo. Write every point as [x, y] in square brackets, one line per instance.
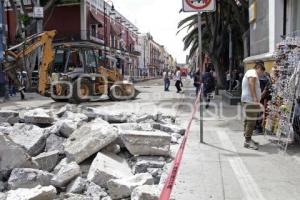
[85, 154]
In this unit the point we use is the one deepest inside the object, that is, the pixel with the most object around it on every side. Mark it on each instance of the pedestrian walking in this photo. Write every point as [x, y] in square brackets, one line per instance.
[251, 96]
[208, 85]
[228, 79]
[197, 81]
[178, 80]
[166, 77]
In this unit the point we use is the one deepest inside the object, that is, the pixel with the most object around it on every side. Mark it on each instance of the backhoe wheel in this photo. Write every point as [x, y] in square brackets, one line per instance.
[81, 91]
[115, 93]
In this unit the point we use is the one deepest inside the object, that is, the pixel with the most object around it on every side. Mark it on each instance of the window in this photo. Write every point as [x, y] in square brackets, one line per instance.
[93, 30]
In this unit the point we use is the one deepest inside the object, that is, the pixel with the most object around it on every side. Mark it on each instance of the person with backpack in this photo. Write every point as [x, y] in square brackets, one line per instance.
[197, 81]
[208, 85]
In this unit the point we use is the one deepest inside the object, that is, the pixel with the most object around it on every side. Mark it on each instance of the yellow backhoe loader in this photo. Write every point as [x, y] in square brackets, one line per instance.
[69, 71]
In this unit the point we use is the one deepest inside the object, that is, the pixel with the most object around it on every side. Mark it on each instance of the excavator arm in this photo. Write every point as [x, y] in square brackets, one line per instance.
[23, 50]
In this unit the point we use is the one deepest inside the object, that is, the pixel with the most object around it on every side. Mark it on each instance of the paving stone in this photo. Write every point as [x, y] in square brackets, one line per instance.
[146, 142]
[169, 128]
[13, 156]
[89, 139]
[95, 191]
[28, 178]
[38, 116]
[146, 192]
[55, 142]
[47, 160]
[122, 188]
[108, 166]
[144, 162]
[65, 174]
[37, 193]
[77, 185]
[30, 137]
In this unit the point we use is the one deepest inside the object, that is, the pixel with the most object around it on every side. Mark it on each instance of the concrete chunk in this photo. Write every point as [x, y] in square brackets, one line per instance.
[95, 191]
[71, 196]
[12, 156]
[108, 166]
[47, 160]
[145, 192]
[110, 116]
[9, 116]
[66, 174]
[89, 139]
[55, 142]
[144, 162]
[37, 193]
[2, 196]
[77, 185]
[147, 142]
[122, 188]
[169, 128]
[30, 137]
[38, 116]
[28, 178]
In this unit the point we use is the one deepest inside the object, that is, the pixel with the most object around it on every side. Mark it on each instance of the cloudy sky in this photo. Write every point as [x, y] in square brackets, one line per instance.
[160, 18]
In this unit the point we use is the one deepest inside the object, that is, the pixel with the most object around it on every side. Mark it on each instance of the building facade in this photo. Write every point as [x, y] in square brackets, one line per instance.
[270, 20]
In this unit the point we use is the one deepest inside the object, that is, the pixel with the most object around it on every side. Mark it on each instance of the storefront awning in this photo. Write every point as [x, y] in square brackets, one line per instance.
[96, 18]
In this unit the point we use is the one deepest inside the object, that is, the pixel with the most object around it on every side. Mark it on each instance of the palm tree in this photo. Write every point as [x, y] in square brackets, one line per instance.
[215, 33]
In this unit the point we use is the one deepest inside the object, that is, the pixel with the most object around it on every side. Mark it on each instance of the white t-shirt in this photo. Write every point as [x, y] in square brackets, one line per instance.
[178, 76]
[246, 94]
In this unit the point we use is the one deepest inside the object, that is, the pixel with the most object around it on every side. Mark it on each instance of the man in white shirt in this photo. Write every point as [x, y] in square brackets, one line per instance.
[251, 95]
[178, 80]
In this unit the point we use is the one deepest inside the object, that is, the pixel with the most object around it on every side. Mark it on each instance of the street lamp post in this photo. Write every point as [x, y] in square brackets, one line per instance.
[105, 27]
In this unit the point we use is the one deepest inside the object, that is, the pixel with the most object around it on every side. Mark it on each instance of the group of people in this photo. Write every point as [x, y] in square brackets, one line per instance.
[168, 75]
[8, 86]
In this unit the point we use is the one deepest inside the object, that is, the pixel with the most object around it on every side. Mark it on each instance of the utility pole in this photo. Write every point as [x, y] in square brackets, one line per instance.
[2, 30]
[200, 71]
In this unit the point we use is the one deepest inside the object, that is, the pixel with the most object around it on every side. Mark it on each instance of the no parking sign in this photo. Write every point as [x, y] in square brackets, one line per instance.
[199, 5]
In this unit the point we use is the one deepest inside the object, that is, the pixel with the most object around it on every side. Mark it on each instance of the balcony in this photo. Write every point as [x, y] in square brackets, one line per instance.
[83, 35]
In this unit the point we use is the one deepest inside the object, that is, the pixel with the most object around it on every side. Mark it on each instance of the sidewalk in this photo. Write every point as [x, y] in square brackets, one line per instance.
[221, 169]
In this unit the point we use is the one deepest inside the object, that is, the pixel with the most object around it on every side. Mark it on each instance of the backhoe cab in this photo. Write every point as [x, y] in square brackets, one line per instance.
[76, 75]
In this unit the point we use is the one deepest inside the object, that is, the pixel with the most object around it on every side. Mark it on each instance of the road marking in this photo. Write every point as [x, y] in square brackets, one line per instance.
[247, 183]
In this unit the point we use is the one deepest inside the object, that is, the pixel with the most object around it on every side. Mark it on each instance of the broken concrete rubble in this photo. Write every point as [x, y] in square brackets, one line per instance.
[71, 196]
[47, 160]
[55, 142]
[95, 191]
[169, 128]
[146, 142]
[65, 174]
[122, 188]
[112, 148]
[106, 167]
[110, 116]
[2, 196]
[77, 185]
[144, 162]
[37, 193]
[38, 116]
[28, 178]
[30, 137]
[89, 139]
[9, 116]
[145, 192]
[12, 156]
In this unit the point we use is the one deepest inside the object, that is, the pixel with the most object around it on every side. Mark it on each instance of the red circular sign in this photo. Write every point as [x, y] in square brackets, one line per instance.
[192, 5]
